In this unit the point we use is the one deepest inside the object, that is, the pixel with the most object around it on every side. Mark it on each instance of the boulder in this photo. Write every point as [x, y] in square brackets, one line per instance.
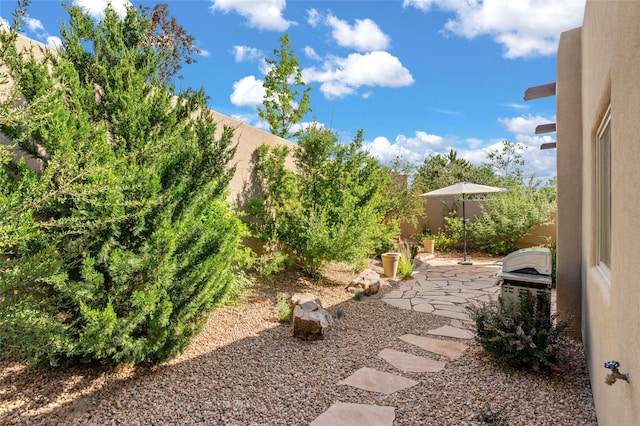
[310, 321]
[368, 282]
[300, 298]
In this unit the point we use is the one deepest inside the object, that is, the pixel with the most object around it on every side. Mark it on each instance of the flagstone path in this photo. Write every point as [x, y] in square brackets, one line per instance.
[440, 287]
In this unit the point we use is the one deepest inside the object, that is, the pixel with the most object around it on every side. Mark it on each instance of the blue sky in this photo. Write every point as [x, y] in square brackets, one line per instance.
[419, 76]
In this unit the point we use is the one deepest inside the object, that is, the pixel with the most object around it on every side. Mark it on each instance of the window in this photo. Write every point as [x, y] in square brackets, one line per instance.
[603, 198]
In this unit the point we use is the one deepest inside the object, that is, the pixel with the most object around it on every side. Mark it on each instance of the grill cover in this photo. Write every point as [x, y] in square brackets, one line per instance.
[535, 260]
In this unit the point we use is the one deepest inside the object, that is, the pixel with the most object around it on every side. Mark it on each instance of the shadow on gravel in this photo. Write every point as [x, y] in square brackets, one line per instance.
[270, 378]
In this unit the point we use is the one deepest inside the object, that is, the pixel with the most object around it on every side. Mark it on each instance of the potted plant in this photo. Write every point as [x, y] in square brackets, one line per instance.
[428, 240]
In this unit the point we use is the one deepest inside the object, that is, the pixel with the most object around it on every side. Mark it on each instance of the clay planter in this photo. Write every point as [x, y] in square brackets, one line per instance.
[390, 264]
[429, 245]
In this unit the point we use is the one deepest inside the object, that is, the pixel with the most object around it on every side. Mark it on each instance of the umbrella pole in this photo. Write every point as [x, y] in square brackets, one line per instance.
[464, 231]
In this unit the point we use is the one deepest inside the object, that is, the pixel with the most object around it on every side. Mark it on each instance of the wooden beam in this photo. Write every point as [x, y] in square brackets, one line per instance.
[546, 128]
[549, 145]
[541, 91]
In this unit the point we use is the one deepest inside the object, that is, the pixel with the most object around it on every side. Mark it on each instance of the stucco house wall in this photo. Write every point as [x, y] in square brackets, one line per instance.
[598, 67]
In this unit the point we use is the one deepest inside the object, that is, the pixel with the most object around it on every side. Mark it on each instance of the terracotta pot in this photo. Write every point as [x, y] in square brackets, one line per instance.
[429, 245]
[390, 264]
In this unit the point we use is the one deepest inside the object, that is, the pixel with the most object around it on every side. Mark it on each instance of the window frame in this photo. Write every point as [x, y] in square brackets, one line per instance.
[603, 195]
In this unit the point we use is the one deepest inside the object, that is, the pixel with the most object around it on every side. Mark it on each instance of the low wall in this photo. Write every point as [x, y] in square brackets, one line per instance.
[436, 209]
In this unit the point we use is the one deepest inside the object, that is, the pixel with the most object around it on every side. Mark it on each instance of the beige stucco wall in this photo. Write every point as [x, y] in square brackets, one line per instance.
[437, 208]
[247, 139]
[610, 70]
[569, 169]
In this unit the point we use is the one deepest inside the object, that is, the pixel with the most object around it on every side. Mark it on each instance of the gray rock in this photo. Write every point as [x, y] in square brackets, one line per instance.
[310, 321]
[368, 282]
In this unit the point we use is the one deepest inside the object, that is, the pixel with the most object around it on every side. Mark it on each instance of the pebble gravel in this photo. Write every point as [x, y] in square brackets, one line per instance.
[245, 368]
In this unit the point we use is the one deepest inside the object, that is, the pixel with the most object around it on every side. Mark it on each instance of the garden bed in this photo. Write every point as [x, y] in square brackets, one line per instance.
[246, 369]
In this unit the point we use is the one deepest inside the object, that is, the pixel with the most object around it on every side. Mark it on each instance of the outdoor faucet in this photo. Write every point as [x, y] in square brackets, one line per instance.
[615, 374]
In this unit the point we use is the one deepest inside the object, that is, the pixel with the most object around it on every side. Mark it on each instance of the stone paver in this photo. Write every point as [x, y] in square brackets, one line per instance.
[440, 283]
[408, 362]
[399, 303]
[449, 314]
[449, 331]
[348, 414]
[452, 308]
[440, 287]
[423, 307]
[377, 381]
[451, 350]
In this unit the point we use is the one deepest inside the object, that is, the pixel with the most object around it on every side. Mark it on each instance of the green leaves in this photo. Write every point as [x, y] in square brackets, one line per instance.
[122, 242]
[520, 334]
[283, 104]
[510, 216]
[332, 208]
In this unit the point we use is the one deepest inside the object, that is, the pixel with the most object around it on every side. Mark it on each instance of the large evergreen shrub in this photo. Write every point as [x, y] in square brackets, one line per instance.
[121, 244]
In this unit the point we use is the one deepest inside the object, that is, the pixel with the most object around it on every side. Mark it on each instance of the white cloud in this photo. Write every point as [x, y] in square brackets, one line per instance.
[263, 14]
[525, 28]
[412, 149]
[4, 23]
[96, 8]
[245, 53]
[515, 105]
[34, 25]
[416, 148]
[540, 163]
[247, 92]
[204, 52]
[364, 35]
[55, 42]
[340, 77]
[311, 53]
[446, 111]
[524, 123]
[313, 17]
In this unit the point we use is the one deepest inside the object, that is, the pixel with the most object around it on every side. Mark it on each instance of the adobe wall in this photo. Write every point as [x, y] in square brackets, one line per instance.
[247, 139]
[611, 319]
[569, 175]
[437, 208]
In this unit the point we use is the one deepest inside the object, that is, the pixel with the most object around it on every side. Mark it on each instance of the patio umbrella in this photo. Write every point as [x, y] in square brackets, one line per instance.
[463, 188]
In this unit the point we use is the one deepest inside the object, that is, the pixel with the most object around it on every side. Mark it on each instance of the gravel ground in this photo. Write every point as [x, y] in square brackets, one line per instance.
[246, 369]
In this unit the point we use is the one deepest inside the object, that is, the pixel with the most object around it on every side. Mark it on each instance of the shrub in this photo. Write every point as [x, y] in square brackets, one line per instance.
[452, 235]
[521, 334]
[272, 262]
[405, 264]
[120, 246]
[332, 209]
[284, 309]
[509, 217]
[358, 294]
[442, 242]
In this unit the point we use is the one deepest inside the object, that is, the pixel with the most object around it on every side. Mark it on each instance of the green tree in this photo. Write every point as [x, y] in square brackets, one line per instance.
[120, 245]
[283, 104]
[510, 216]
[439, 171]
[332, 209]
[403, 201]
[507, 164]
